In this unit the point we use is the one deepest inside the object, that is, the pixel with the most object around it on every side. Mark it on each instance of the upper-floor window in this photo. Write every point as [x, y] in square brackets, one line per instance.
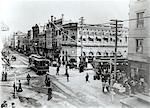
[66, 37]
[140, 19]
[59, 32]
[73, 37]
[63, 37]
[126, 39]
[139, 45]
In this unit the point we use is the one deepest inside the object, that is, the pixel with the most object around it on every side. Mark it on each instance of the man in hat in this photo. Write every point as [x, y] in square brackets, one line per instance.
[49, 93]
[87, 78]
[12, 105]
[20, 87]
[3, 76]
[28, 78]
[57, 73]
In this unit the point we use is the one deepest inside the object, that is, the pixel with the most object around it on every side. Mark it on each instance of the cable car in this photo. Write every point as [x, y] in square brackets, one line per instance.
[39, 64]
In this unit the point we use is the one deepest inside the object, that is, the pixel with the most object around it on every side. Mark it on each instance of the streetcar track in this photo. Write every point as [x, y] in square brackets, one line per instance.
[74, 99]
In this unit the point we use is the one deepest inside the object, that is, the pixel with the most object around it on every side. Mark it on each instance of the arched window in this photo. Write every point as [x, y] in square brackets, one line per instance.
[98, 53]
[91, 54]
[106, 54]
[63, 52]
[119, 53]
[84, 54]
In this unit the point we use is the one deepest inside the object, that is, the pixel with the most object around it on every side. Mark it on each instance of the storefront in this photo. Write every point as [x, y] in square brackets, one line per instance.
[139, 71]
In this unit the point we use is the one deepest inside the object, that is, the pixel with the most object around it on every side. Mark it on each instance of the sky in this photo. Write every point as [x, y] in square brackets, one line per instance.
[21, 15]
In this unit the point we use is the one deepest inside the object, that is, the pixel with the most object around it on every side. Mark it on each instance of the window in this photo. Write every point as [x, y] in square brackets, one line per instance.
[90, 39]
[111, 39]
[59, 32]
[73, 37]
[126, 39]
[66, 38]
[140, 19]
[80, 32]
[139, 45]
[63, 37]
[84, 39]
[98, 39]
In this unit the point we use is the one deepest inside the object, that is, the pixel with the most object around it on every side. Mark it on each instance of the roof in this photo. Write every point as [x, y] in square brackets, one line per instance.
[38, 57]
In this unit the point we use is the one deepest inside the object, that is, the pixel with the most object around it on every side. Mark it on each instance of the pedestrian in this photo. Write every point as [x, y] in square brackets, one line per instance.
[46, 77]
[4, 105]
[67, 74]
[57, 73]
[87, 77]
[3, 76]
[20, 87]
[12, 105]
[107, 85]
[48, 82]
[81, 68]
[49, 93]
[28, 78]
[66, 70]
[103, 81]
[14, 87]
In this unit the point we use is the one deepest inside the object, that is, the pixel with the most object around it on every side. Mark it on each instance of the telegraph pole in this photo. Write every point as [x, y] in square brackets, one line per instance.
[116, 26]
[81, 65]
[81, 21]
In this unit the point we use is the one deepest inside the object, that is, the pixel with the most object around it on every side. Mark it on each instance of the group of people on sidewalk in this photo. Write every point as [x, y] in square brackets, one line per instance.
[4, 76]
[19, 88]
[105, 78]
[66, 71]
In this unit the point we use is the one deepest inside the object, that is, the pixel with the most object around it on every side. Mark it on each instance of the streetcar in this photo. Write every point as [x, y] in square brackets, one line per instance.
[39, 64]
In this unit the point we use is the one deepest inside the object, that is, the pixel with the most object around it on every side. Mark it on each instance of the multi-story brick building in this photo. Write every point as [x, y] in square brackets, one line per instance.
[139, 40]
[35, 39]
[53, 37]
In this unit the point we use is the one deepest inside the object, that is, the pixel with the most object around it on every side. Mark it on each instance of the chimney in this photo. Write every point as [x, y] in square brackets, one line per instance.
[51, 18]
[54, 18]
[62, 17]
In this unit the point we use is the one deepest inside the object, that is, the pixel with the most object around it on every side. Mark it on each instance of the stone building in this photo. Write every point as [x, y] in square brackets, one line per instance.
[96, 40]
[139, 40]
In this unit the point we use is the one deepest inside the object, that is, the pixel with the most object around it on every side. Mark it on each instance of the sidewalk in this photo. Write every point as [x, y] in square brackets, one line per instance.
[91, 93]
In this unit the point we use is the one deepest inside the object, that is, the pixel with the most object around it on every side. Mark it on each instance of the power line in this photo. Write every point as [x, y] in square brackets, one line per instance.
[136, 18]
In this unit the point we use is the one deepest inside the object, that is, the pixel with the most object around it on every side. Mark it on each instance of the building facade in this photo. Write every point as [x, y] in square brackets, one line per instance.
[94, 41]
[17, 41]
[139, 40]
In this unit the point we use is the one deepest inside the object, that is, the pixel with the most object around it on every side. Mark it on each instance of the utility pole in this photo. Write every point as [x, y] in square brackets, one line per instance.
[82, 63]
[81, 22]
[116, 26]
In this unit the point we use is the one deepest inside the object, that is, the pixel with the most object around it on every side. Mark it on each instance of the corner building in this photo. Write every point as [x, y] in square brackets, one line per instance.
[98, 41]
[139, 40]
